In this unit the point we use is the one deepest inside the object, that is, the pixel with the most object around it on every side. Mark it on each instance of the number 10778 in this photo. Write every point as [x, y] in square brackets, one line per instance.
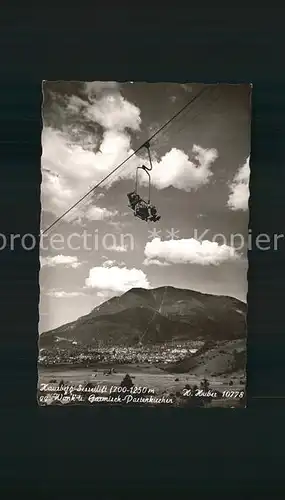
[233, 394]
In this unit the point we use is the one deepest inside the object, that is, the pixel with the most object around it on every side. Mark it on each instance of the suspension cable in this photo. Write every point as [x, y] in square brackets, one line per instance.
[145, 144]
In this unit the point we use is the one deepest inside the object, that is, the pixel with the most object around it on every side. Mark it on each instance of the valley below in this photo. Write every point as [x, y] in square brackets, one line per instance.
[167, 343]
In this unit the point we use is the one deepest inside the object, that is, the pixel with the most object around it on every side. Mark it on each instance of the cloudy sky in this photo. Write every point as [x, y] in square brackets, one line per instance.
[200, 182]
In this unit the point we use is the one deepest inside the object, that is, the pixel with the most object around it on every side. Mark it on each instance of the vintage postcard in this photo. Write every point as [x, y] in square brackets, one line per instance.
[144, 240]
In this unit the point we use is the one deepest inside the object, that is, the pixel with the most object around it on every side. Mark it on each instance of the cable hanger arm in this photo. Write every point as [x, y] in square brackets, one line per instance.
[147, 146]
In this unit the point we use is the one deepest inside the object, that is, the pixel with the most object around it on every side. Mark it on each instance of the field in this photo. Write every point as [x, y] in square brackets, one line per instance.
[142, 376]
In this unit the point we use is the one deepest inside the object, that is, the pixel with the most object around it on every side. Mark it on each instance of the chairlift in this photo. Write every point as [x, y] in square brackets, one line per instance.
[142, 209]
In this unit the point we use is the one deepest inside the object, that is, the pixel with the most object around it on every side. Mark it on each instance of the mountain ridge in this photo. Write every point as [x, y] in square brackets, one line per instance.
[166, 312]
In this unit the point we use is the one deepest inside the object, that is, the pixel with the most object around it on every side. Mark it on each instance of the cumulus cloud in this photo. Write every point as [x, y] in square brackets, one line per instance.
[116, 279]
[98, 213]
[60, 260]
[110, 263]
[155, 262]
[69, 170]
[104, 295]
[118, 248]
[73, 161]
[92, 89]
[239, 189]
[190, 251]
[176, 169]
[60, 294]
[72, 167]
[114, 113]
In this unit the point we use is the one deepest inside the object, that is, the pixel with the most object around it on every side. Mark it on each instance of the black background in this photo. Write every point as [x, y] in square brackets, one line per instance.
[110, 453]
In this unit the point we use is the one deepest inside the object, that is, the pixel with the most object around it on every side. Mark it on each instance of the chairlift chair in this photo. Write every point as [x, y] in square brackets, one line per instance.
[142, 209]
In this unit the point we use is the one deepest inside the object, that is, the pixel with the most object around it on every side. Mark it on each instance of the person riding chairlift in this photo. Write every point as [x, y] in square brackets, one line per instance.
[133, 199]
[153, 214]
[141, 210]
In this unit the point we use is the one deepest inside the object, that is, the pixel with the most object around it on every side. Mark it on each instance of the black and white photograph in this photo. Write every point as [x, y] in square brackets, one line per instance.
[144, 242]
